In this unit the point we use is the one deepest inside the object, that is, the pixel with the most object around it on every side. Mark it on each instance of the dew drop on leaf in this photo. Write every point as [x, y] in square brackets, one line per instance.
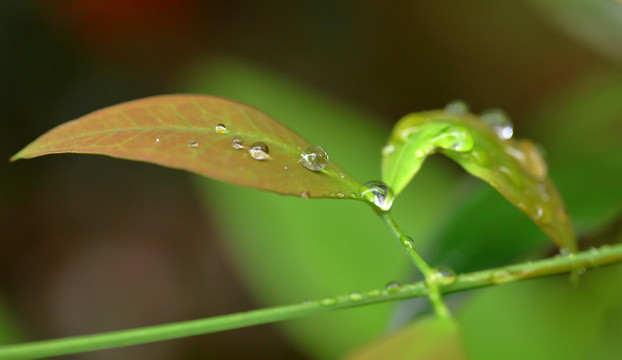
[378, 194]
[388, 149]
[237, 143]
[193, 143]
[221, 129]
[259, 151]
[304, 194]
[500, 123]
[456, 107]
[157, 140]
[314, 158]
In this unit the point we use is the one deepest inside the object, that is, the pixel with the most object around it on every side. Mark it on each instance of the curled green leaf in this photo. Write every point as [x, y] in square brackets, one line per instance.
[483, 147]
[208, 135]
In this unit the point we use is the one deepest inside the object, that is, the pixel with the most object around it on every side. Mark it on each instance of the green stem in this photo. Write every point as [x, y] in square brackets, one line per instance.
[432, 276]
[606, 255]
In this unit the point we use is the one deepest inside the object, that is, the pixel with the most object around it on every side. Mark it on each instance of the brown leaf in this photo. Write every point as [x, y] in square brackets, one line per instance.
[208, 135]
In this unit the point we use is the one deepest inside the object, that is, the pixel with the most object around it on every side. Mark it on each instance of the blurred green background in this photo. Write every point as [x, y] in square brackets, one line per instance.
[91, 244]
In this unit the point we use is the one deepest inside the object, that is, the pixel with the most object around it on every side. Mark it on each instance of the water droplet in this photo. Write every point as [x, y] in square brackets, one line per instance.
[374, 293]
[340, 195]
[306, 301]
[534, 163]
[356, 296]
[193, 143]
[379, 194]
[393, 286]
[353, 195]
[500, 123]
[444, 275]
[342, 175]
[456, 138]
[157, 140]
[221, 129]
[304, 194]
[538, 213]
[259, 151]
[387, 150]
[419, 153]
[456, 107]
[328, 301]
[237, 143]
[314, 158]
[407, 242]
[565, 252]
[501, 276]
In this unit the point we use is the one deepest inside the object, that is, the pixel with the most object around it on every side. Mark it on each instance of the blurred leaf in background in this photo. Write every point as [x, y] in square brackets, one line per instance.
[597, 23]
[425, 339]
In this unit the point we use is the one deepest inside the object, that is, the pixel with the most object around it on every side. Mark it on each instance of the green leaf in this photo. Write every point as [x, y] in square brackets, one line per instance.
[429, 338]
[484, 148]
[211, 136]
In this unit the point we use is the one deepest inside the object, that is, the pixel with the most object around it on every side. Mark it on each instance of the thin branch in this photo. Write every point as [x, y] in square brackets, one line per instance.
[433, 278]
[605, 255]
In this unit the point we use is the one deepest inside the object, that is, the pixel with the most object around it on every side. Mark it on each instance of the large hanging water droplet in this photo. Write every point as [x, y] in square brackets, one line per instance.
[379, 194]
[221, 129]
[237, 143]
[314, 158]
[456, 107]
[500, 122]
[259, 151]
[193, 143]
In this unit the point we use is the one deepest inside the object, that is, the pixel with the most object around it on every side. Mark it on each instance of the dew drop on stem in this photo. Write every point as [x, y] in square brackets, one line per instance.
[407, 242]
[314, 158]
[393, 286]
[355, 296]
[328, 301]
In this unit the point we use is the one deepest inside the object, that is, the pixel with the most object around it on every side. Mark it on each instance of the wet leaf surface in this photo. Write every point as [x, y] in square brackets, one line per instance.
[208, 135]
[483, 147]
